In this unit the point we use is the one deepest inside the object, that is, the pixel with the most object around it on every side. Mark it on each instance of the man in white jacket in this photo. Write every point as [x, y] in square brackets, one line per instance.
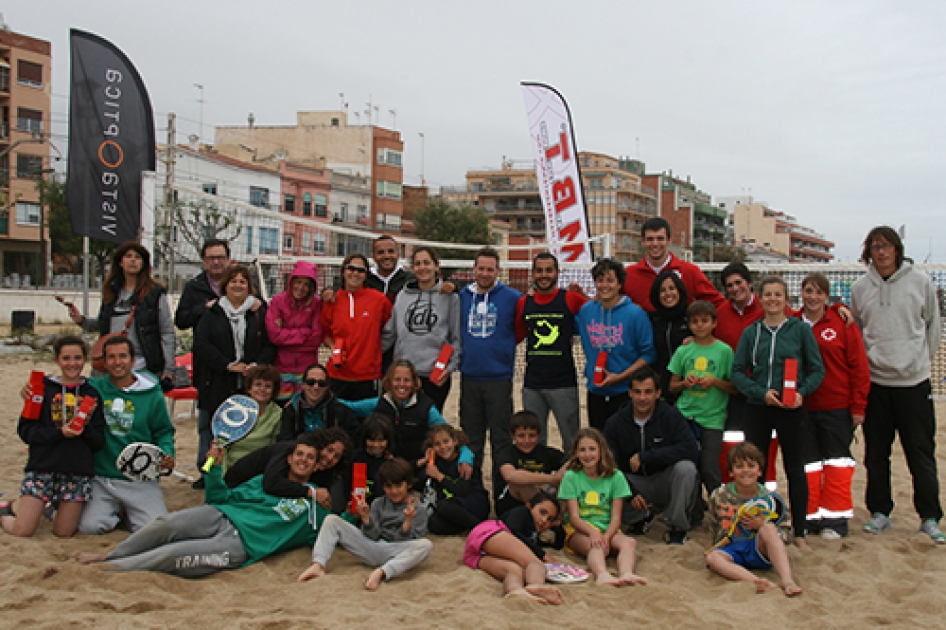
[897, 309]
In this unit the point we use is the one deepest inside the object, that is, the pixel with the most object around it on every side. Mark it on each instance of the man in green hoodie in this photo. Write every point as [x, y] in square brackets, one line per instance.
[236, 527]
[135, 411]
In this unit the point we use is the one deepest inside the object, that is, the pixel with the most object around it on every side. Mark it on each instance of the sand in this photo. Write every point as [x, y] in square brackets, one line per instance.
[896, 579]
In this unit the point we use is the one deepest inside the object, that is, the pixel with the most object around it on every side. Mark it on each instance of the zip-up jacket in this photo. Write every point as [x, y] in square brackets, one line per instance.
[356, 319]
[298, 335]
[759, 362]
[664, 440]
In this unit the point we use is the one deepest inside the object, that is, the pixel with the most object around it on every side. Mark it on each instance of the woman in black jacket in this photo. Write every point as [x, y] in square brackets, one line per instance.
[669, 319]
[316, 407]
[128, 286]
[230, 338]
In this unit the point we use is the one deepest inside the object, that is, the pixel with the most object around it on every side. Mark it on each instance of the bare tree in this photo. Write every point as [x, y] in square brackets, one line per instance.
[196, 222]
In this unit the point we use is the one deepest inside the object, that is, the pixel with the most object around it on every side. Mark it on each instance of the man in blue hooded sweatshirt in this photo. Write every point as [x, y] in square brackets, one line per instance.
[487, 327]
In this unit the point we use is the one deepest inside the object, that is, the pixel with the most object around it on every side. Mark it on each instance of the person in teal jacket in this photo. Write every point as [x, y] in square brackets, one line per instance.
[236, 527]
[758, 371]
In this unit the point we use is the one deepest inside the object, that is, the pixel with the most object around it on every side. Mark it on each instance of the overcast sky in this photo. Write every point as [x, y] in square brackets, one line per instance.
[830, 111]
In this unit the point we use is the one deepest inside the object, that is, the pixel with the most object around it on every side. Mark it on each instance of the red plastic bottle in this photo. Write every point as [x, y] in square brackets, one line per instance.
[34, 405]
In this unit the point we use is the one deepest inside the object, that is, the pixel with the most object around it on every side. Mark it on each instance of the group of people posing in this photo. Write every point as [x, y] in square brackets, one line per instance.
[671, 365]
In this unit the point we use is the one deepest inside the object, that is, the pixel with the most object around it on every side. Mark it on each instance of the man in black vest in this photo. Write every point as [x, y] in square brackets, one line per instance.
[546, 320]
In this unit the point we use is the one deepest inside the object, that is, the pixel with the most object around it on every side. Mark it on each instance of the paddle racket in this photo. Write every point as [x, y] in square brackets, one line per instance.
[139, 462]
[232, 421]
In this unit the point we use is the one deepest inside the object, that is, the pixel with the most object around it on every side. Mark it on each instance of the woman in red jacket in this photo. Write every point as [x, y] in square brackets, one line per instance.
[352, 326]
[835, 409]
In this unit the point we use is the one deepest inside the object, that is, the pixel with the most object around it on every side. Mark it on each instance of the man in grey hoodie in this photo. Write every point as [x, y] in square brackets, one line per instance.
[897, 310]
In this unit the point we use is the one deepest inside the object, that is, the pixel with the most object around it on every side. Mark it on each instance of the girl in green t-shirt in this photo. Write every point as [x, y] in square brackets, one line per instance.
[594, 491]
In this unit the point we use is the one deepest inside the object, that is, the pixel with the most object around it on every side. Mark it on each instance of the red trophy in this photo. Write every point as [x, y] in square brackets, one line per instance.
[359, 485]
[338, 352]
[34, 404]
[82, 414]
[440, 365]
[600, 366]
[791, 380]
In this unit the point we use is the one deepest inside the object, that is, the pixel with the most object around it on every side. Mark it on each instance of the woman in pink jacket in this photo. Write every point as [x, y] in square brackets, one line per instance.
[294, 325]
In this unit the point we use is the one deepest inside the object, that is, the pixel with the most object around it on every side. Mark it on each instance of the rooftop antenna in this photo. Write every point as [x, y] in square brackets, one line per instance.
[393, 113]
[201, 101]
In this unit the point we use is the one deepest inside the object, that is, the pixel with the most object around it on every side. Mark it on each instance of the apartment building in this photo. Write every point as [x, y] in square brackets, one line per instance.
[755, 223]
[25, 67]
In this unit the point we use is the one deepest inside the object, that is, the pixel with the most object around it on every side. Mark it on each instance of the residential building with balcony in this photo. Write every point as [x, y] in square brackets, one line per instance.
[756, 223]
[348, 207]
[324, 139]
[306, 193]
[697, 227]
[616, 201]
[25, 77]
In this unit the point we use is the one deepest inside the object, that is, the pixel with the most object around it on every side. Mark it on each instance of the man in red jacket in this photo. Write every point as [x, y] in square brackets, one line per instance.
[655, 235]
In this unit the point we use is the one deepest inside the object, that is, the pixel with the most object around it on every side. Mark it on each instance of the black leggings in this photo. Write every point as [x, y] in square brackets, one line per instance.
[451, 518]
[790, 426]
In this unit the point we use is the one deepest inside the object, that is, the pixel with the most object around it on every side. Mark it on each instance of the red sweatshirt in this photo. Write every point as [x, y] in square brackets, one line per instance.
[357, 318]
[847, 374]
[730, 322]
[641, 276]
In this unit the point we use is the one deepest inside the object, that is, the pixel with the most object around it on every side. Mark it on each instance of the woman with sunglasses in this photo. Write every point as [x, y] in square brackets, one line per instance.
[315, 407]
[352, 326]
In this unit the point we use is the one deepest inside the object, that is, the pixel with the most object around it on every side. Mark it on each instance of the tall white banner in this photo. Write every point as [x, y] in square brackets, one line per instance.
[556, 168]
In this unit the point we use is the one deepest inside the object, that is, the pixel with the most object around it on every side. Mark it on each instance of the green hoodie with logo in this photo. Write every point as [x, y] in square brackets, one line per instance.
[135, 414]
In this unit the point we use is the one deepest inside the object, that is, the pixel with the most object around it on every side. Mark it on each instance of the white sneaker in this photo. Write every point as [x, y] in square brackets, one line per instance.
[829, 534]
[931, 529]
[878, 523]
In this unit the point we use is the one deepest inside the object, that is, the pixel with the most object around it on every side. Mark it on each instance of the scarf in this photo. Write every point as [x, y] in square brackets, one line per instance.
[237, 317]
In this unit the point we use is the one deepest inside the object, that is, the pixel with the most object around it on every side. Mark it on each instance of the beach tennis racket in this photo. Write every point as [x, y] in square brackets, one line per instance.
[233, 420]
[139, 462]
[564, 573]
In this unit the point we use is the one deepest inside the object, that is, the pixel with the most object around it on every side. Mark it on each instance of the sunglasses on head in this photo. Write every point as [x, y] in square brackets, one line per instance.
[356, 268]
[315, 381]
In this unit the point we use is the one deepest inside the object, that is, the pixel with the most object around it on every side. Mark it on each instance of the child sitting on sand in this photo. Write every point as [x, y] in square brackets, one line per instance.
[392, 530]
[744, 518]
[594, 491]
[508, 549]
[377, 437]
[461, 504]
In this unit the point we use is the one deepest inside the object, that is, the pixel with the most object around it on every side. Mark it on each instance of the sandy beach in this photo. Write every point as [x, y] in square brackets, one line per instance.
[897, 579]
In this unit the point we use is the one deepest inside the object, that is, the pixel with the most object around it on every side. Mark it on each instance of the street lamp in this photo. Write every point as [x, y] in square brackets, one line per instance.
[423, 182]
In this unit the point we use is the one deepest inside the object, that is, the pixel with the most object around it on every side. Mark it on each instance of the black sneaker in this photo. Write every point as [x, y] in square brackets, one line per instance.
[675, 536]
[641, 527]
[198, 485]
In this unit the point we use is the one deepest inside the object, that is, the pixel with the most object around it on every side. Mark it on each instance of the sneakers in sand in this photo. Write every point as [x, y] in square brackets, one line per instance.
[829, 534]
[878, 523]
[931, 528]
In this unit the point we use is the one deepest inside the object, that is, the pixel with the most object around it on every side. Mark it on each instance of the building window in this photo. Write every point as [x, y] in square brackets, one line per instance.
[306, 242]
[362, 213]
[389, 157]
[307, 205]
[249, 239]
[210, 189]
[29, 73]
[321, 206]
[343, 212]
[288, 241]
[319, 244]
[268, 240]
[27, 213]
[29, 166]
[390, 190]
[259, 197]
[289, 203]
[29, 120]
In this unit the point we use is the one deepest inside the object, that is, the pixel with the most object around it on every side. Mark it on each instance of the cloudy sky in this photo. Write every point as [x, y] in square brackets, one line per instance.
[833, 112]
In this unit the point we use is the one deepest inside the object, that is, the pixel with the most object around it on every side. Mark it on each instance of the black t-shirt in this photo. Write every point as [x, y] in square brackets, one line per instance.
[542, 459]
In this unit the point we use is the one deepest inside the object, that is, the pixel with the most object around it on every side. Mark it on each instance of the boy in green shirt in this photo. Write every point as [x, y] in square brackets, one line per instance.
[700, 374]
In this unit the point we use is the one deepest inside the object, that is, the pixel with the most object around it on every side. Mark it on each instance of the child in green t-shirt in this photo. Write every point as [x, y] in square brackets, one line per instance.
[700, 374]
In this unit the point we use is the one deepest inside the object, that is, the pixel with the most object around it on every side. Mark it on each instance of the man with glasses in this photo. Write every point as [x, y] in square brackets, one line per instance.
[897, 309]
[200, 293]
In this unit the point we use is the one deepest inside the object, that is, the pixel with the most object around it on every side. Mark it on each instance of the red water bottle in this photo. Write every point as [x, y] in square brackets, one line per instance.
[34, 404]
[601, 366]
[359, 485]
[82, 414]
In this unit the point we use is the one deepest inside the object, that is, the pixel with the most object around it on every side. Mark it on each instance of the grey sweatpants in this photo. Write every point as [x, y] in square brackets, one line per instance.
[394, 558]
[674, 492]
[190, 543]
[563, 402]
[142, 502]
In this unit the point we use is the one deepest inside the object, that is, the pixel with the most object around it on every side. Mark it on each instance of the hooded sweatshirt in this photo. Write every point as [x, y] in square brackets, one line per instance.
[50, 450]
[135, 414]
[900, 320]
[298, 334]
[356, 319]
[623, 331]
[422, 322]
[488, 330]
[759, 363]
